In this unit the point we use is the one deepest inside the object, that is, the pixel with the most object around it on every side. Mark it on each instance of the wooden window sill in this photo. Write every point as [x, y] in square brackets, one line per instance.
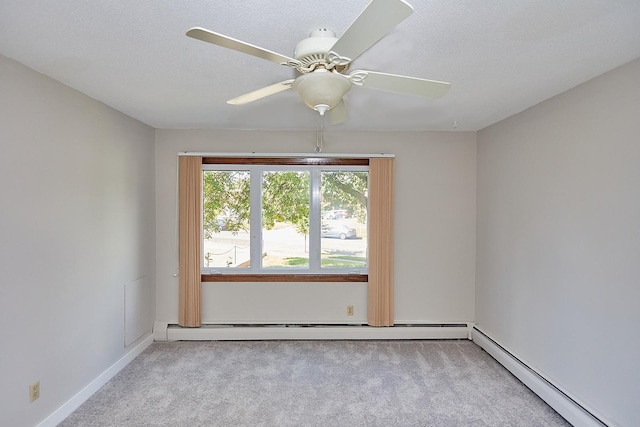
[284, 277]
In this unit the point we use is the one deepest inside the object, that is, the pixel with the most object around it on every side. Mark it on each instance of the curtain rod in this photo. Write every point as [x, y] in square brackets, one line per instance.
[287, 155]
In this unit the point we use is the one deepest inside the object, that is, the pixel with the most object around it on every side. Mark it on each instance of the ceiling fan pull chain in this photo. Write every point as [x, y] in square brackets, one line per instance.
[320, 133]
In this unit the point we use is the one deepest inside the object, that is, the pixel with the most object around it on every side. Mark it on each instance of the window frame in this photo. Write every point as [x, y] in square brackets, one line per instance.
[258, 165]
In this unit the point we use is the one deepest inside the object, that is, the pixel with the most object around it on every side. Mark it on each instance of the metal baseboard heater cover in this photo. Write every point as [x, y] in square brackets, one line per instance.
[288, 331]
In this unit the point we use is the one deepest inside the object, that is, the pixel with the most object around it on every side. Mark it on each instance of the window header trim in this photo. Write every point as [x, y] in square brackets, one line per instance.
[286, 161]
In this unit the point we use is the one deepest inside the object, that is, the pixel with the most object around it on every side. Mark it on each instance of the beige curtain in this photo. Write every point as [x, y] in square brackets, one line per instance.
[380, 290]
[190, 219]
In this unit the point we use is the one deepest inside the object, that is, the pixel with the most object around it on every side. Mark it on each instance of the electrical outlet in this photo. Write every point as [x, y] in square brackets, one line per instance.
[349, 310]
[34, 391]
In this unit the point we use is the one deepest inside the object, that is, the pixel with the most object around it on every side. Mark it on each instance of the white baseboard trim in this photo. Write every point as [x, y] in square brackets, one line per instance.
[315, 332]
[72, 404]
[561, 401]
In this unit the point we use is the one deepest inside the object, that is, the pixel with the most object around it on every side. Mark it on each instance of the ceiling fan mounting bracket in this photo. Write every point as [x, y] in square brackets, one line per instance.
[358, 77]
[337, 60]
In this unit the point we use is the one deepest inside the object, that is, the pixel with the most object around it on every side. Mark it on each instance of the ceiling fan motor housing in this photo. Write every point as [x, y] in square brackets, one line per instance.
[313, 50]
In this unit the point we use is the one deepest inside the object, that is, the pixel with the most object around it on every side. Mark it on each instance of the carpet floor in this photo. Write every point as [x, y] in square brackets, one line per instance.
[314, 383]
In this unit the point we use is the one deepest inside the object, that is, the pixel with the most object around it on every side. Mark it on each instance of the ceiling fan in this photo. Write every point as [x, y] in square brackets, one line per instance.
[322, 60]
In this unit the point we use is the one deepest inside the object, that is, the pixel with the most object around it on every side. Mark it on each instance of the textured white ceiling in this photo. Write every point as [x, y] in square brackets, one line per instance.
[501, 56]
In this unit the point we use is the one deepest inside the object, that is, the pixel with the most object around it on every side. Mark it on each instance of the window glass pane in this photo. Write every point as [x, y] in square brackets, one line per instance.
[344, 219]
[285, 219]
[225, 219]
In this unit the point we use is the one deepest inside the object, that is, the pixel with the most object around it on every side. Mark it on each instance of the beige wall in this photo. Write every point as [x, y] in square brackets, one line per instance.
[77, 226]
[434, 222]
[558, 266]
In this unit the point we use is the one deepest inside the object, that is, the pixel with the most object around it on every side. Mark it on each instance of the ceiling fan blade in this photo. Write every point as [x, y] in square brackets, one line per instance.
[338, 114]
[397, 83]
[373, 23]
[240, 46]
[261, 93]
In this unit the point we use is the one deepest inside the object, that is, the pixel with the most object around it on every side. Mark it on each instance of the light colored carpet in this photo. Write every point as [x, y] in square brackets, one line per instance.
[314, 383]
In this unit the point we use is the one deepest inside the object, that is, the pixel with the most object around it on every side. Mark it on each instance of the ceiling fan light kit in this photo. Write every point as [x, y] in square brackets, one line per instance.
[322, 58]
[322, 87]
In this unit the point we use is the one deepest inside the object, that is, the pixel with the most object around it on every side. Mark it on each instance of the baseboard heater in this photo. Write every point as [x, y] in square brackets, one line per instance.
[287, 331]
[577, 413]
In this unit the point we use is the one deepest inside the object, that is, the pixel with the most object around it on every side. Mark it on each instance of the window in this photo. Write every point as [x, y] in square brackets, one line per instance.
[380, 218]
[284, 219]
